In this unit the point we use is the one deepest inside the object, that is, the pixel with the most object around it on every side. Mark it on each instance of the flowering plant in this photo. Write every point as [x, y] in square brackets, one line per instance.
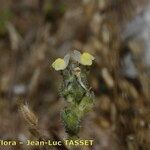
[75, 89]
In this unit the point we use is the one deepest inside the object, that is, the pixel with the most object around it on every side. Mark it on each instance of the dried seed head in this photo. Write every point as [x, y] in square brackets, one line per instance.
[28, 115]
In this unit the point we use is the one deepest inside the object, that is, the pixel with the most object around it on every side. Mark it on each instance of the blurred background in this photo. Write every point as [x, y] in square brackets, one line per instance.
[33, 33]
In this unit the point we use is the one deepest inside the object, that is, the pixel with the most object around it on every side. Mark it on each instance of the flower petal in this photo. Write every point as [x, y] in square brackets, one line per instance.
[86, 59]
[59, 64]
[66, 59]
[76, 55]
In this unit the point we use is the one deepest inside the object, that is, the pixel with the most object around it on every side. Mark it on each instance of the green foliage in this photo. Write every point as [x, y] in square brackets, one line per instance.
[52, 11]
[81, 100]
[5, 15]
[71, 121]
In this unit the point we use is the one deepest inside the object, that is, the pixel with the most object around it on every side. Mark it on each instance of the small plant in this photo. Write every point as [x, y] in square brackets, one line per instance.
[75, 89]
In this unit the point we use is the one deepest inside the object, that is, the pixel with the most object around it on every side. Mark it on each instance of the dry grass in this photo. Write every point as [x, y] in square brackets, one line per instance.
[37, 32]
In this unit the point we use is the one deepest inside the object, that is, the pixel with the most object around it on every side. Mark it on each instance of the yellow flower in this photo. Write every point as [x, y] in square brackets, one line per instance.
[86, 59]
[59, 64]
